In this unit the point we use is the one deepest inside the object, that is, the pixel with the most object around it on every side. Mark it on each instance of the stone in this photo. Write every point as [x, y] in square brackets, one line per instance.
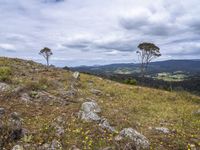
[74, 147]
[4, 87]
[89, 116]
[56, 145]
[139, 140]
[96, 92]
[89, 111]
[18, 147]
[106, 125]
[15, 125]
[76, 75]
[90, 106]
[2, 111]
[25, 98]
[162, 129]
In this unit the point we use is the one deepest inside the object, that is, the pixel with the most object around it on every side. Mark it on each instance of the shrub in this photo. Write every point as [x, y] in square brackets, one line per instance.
[5, 73]
[130, 81]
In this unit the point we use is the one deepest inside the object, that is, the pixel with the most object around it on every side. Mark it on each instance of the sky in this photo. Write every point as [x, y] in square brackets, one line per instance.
[97, 32]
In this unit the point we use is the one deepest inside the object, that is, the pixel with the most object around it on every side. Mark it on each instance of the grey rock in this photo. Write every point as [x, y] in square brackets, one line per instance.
[96, 92]
[162, 129]
[89, 111]
[106, 125]
[15, 125]
[90, 106]
[74, 147]
[2, 111]
[18, 147]
[89, 116]
[76, 75]
[25, 98]
[55, 145]
[140, 141]
[4, 87]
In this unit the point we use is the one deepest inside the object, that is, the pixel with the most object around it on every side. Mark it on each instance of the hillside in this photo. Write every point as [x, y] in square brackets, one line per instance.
[40, 110]
[186, 66]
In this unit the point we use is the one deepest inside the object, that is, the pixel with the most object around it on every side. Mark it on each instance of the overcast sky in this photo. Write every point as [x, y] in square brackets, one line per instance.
[89, 32]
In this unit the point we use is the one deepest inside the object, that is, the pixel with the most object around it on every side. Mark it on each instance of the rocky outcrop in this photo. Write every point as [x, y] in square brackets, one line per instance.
[139, 140]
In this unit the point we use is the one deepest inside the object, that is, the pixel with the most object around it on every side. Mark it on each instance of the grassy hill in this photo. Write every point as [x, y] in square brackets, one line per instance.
[45, 100]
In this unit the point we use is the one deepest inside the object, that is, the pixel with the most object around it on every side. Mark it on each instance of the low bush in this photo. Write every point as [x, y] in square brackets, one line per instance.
[130, 81]
[5, 74]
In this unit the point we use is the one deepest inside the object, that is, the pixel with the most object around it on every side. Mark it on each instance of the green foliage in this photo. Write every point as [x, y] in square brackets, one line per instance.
[130, 81]
[5, 73]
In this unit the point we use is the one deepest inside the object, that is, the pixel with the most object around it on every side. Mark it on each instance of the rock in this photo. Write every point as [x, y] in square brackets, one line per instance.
[76, 75]
[18, 147]
[25, 98]
[4, 87]
[56, 145]
[15, 125]
[89, 111]
[90, 106]
[2, 111]
[140, 141]
[162, 129]
[106, 125]
[197, 112]
[90, 116]
[193, 147]
[130, 146]
[74, 147]
[96, 92]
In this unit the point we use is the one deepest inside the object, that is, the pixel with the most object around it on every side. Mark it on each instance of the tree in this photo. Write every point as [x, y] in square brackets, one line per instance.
[46, 53]
[146, 53]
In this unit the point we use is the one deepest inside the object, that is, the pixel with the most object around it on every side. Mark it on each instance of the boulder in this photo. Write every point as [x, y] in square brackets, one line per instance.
[89, 111]
[139, 140]
[90, 107]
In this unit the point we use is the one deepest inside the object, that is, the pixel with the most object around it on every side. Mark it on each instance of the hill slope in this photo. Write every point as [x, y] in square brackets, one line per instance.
[186, 66]
[47, 103]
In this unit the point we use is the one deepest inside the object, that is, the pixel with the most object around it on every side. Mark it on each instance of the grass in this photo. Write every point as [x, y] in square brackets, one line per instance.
[123, 105]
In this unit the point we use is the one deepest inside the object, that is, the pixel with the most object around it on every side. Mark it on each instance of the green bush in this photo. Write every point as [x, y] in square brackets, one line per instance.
[130, 81]
[5, 73]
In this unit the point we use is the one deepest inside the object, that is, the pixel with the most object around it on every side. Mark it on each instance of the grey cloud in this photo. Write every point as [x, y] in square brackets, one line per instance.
[96, 29]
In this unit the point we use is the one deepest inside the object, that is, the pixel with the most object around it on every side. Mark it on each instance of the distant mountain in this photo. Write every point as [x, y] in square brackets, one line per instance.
[186, 66]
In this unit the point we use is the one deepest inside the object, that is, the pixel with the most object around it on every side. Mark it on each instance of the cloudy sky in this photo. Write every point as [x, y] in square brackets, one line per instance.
[89, 32]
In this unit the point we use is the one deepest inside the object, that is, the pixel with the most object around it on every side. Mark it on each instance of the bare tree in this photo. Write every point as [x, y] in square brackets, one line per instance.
[46, 53]
[146, 53]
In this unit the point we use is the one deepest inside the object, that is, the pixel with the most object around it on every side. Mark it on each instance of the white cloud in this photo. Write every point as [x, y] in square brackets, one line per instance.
[87, 30]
